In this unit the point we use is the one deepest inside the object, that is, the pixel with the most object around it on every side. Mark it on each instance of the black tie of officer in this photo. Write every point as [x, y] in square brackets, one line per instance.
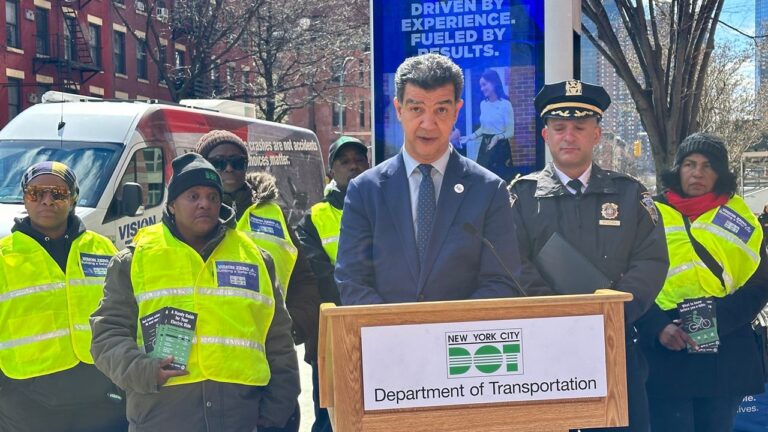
[576, 185]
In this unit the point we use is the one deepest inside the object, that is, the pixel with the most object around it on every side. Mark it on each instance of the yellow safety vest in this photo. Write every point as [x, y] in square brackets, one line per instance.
[327, 221]
[266, 225]
[231, 292]
[44, 311]
[730, 233]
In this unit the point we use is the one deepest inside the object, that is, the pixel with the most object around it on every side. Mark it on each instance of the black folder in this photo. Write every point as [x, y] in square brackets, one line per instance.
[566, 270]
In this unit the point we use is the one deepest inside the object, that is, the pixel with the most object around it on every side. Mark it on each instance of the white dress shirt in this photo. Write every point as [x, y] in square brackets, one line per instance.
[414, 178]
[564, 179]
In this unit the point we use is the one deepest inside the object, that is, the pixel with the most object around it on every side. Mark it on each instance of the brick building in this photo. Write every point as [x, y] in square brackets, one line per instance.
[76, 46]
[83, 47]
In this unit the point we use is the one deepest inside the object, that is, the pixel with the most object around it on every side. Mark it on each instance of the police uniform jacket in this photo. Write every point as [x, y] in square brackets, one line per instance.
[613, 224]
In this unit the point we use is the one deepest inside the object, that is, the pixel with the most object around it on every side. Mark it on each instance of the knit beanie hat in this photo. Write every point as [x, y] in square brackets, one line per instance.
[54, 168]
[213, 138]
[191, 170]
[709, 145]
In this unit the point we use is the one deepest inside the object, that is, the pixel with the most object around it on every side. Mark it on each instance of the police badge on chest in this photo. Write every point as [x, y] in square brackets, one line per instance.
[610, 214]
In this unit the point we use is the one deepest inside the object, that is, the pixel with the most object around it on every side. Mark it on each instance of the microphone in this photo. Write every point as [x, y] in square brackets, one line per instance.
[468, 227]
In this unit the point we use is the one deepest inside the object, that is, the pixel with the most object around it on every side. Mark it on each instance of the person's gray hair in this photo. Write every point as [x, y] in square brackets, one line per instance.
[429, 71]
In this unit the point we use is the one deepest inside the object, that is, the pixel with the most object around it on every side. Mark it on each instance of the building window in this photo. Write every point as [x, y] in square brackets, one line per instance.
[12, 23]
[42, 40]
[70, 45]
[119, 52]
[41, 90]
[362, 113]
[215, 81]
[94, 43]
[244, 87]
[14, 97]
[180, 62]
[141, 59]
[162, 67]
[231, 79]
[339, 115]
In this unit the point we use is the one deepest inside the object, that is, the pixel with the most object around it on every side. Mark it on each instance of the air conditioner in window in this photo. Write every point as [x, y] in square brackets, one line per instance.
[140, 6]
[162, 14]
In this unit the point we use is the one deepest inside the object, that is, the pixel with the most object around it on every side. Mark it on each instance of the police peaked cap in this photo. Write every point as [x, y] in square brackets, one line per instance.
[572, 100]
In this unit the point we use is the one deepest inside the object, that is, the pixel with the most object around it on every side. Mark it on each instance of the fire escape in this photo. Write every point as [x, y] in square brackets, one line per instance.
[68, 53]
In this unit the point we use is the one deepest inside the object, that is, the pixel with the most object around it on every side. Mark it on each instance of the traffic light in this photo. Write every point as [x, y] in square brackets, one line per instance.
[638, 148]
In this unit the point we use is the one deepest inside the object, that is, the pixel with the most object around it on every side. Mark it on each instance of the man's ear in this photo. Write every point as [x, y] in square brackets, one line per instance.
[398, 107]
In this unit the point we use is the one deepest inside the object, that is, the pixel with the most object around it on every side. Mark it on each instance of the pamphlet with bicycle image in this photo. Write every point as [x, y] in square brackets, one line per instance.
[699, 319]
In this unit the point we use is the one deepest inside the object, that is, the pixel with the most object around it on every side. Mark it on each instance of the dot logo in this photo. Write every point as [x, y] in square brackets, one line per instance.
[484, 353]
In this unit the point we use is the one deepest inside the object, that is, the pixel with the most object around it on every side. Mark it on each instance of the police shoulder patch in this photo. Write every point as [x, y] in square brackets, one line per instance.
[647, 201]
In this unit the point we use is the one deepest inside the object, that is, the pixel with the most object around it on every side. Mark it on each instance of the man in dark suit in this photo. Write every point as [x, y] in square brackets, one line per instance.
[407, 228]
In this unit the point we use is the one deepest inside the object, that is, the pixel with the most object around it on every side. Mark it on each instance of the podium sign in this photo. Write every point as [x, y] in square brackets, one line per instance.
[533, 364]
[428, 365]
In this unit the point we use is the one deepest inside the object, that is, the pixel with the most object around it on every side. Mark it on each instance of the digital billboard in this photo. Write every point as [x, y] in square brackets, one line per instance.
[499, 44]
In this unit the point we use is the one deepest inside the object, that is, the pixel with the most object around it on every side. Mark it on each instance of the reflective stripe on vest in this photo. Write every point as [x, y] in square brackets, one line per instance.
[730, 233]
[43, 311]
[266, 225]
[327, 221]
[231, 293]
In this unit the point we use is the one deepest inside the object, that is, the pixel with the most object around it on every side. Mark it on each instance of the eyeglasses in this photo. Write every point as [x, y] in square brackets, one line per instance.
[36, 193]
[238, 163]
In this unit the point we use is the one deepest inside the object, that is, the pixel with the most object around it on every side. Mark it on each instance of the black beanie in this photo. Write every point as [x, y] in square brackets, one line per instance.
[191, 170]
[709, 145]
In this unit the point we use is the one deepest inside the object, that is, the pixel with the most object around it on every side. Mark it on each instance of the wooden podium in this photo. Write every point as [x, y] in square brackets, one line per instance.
[341, 367]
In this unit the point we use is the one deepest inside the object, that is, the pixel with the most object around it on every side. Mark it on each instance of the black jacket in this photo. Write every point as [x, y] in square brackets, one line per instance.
[313, 249]
[302, 298]
[737, 368]
[633, 254]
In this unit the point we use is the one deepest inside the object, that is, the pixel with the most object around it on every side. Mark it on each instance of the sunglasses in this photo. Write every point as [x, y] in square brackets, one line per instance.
[238, 163]
[36, 193]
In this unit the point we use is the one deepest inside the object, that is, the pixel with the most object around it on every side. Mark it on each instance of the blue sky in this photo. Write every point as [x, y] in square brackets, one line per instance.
[740, 14]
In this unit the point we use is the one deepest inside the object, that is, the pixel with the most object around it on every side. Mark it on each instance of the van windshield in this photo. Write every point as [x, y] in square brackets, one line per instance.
[93, 164]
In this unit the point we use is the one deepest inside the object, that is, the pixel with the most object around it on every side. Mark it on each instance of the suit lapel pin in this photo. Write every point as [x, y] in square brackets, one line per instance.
[459, 188]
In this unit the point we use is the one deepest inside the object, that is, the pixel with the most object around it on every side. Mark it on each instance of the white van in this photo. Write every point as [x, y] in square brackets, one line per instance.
[121, 152]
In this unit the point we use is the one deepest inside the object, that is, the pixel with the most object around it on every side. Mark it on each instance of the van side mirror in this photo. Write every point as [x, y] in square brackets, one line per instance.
[132, 199]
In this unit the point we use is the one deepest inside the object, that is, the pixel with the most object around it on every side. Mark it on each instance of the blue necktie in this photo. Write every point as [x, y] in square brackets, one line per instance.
[425, 210]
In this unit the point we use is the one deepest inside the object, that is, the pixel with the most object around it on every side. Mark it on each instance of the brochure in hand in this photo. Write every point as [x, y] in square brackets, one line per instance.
[169, 332]
[699, 319]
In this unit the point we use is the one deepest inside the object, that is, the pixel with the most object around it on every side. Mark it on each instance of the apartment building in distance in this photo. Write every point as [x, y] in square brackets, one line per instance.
[84, 47]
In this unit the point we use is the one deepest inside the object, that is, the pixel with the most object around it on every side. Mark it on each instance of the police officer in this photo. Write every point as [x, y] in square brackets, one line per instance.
[242, 371]
[51, 275]
[318, 234]
[607, 216]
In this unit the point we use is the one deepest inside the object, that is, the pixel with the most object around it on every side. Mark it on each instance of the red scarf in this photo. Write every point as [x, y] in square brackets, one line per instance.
[694, 207]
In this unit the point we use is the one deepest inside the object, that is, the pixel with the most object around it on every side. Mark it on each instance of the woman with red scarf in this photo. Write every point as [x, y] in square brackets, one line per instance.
[704, 356]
